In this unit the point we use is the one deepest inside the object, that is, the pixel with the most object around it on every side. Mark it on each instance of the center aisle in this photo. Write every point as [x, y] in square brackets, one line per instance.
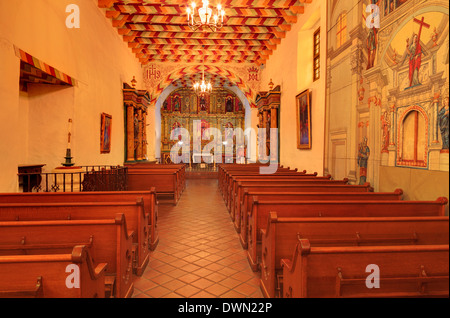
[199, 254]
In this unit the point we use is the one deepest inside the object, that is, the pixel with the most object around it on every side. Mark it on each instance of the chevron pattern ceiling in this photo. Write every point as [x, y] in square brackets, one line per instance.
[157, 31]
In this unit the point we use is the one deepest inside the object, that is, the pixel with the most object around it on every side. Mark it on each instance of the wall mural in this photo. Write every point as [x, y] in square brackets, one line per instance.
[399, 87]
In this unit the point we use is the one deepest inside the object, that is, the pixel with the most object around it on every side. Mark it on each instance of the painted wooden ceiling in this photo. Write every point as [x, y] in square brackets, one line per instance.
[157, 31]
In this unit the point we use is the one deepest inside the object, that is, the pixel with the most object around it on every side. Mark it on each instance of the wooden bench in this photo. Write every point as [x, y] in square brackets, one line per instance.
[236, 191]
[224, 185]
[137, 219]
[45, 275]
[230, 179]
[323, 193]
[337, 272]
[260, 210]
[165, 182]
[149, 197]
[108, 240]
[281, 235]
[224, 168]
[180, 169]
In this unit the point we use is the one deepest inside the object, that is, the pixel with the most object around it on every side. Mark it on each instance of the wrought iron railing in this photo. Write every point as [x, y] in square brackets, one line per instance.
[87, 178]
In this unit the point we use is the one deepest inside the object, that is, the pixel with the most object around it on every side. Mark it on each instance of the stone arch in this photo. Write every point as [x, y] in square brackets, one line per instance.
[188, 70]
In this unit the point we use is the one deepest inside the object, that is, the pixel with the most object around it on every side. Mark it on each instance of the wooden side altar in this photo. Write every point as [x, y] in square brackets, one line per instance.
[136, 104]
[268, 104]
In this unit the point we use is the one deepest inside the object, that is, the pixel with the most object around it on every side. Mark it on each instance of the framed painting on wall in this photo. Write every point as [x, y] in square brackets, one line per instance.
[105, 133]
[304, 137]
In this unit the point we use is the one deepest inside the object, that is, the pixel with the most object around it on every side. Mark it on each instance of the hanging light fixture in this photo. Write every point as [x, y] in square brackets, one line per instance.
[203, 87]
[205, 14]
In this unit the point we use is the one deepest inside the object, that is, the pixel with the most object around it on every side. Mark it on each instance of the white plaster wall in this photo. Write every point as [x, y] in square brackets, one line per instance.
[34, 126]
[291, 67]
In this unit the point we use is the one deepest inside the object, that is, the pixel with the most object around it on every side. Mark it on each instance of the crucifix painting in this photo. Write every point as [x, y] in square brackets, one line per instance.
[414, 54]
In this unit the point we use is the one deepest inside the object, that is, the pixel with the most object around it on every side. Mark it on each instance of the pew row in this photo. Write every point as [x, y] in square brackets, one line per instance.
[180, 170]
[282, 234]
[137, 219]
[44, 276]
[260, 210]
[228, 175]
[338, 272]
[323, 193]
[237, 188]
[108, 241]
[165, 182]
[149, 198]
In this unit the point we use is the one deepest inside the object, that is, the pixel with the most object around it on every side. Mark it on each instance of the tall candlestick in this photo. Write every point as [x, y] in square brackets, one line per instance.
[69, 133]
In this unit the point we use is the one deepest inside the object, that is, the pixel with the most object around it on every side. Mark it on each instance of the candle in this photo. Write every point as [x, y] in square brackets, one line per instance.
[69, 134]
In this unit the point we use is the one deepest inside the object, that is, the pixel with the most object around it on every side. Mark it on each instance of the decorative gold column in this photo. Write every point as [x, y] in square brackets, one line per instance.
[140, 135]
[130, 132]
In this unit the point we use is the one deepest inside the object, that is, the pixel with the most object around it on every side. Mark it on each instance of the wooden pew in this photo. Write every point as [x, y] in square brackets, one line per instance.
[231, 178]
[337, 272]
[149, 198]
[137, 219]
[180, 169]
[227, 175]
[45, 275]
[237, 188]
[323, 193]
[108, 240]
[165, 182]
[260, 210]
[282, 234]
[224, 168]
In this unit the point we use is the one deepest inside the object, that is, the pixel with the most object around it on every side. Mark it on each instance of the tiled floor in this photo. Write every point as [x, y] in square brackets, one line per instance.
[199, 254]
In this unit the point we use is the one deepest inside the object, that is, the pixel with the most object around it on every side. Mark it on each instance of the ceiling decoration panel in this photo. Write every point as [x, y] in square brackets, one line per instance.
[157, 31]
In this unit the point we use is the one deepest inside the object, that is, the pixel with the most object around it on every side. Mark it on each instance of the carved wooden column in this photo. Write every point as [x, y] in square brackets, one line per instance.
[140, 135]
[136, 103]
[130, 133]
[268, 103]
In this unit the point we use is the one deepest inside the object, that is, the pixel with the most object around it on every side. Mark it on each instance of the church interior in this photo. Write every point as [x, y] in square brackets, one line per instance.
[136, 137]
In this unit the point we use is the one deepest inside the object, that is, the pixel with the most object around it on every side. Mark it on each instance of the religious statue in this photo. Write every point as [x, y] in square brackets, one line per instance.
[414, 54]
[443, 124]
[176, 104]
[203, 103]
[371, 45]
[386, 127]
[229, 105]
[136, 126]
[363, 157]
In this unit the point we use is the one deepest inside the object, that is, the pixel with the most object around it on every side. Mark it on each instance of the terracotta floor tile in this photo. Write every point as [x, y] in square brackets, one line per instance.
[199, 254]
[217, 289]
[202, 283]
[230, 282]
[157, 292]
[187, 291]
[203, 294]
[162, 279]
[188, 278]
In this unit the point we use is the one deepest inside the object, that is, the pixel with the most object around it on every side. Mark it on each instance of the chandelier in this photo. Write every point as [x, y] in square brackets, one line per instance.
[205, 13]
[203, 87]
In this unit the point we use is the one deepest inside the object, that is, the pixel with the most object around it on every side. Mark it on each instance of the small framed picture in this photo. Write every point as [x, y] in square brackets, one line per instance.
[105, 133]
[304, 138]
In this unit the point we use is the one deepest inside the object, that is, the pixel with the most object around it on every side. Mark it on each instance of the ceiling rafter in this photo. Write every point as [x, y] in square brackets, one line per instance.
[157, 31]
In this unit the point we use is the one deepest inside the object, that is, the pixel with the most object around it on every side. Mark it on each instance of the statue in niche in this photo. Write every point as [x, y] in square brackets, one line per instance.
[176, 104]
[229, 105]
[363, 157]
[371, 47]
[443, 124]
[136, 126]
[203, 107]
[386, 127]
